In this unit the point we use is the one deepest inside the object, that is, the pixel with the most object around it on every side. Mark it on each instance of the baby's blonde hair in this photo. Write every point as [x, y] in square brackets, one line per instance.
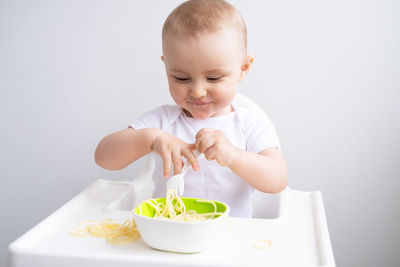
[205, 16]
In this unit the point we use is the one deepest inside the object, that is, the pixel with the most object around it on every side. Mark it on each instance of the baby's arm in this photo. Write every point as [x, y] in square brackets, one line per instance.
[265, 171]
[119, 149]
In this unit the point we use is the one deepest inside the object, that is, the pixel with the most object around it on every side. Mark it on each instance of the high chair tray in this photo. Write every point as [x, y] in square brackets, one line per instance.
[298, 237]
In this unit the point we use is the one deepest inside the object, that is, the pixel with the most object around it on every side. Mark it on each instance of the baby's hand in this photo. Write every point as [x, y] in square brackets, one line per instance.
[171, 149]
[215, 146]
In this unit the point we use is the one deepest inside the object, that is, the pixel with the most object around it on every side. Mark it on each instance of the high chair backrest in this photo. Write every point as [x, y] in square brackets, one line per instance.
[264, 205]
[244, 101]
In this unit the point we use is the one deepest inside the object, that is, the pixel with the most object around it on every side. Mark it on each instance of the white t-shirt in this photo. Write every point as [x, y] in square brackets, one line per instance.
[248, 129]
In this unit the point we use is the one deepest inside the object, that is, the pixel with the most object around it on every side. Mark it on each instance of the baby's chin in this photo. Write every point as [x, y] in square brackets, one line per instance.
[207, 113]
[198, 115]
[195, 115]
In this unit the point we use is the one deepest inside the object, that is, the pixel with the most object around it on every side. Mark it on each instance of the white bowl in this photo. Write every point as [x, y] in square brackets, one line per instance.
[182, 236]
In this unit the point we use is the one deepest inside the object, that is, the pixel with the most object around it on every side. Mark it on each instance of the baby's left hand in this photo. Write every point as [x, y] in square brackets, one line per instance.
[215, 146]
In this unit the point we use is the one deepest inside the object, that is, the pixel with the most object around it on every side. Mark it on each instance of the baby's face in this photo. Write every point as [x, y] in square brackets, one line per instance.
[203, 72]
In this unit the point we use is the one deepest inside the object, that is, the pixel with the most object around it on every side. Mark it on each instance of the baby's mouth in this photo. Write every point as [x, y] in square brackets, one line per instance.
[199, 103]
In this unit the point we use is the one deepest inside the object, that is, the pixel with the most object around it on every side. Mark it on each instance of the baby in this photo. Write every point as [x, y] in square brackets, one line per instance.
[205, 55]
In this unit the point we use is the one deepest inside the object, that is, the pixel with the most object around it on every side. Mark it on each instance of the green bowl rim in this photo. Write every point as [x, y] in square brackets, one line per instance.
[226, 213]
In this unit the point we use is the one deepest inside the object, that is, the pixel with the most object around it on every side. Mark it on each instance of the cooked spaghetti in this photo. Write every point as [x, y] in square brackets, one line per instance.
[114, 233]
[262, 244]
[175, 209]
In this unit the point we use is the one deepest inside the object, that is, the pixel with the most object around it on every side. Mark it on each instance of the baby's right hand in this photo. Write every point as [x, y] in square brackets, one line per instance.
[171, 149]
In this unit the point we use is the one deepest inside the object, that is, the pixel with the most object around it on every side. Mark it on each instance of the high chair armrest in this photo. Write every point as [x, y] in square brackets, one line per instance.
[141, 187]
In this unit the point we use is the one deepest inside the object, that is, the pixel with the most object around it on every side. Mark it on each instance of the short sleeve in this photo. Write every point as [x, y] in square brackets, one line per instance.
[259, 131]
[159, 117]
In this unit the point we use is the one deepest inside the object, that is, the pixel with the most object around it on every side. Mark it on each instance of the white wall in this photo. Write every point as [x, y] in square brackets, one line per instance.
[327, 72]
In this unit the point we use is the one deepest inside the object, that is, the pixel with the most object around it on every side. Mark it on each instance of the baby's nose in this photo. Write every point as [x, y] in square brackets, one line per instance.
[198, 90]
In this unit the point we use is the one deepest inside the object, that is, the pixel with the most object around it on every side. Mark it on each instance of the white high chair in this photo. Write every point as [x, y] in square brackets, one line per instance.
[293, 222]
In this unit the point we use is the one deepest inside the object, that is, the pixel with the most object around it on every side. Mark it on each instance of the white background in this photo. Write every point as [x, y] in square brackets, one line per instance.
[326, 72]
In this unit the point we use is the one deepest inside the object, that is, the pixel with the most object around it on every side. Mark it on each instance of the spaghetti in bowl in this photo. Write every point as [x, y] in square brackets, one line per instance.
[187, 225]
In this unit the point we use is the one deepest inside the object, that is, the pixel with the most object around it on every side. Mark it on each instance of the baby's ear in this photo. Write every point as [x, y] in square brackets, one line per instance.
[162, 58]
[245, 68]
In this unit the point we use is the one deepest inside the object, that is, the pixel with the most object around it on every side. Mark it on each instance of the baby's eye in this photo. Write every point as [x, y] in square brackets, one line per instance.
[213, 79]
[181, 79]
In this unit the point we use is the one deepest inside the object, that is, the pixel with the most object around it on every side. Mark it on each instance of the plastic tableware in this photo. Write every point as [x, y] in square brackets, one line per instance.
[176, 182]
[182, 236]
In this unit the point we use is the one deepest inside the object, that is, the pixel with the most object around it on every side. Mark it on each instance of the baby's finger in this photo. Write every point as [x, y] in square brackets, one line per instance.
[204, 139]
[177, 161]
[210, 153]
[204, 143]
[166, 156]
[188, 154]
[203, 131]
